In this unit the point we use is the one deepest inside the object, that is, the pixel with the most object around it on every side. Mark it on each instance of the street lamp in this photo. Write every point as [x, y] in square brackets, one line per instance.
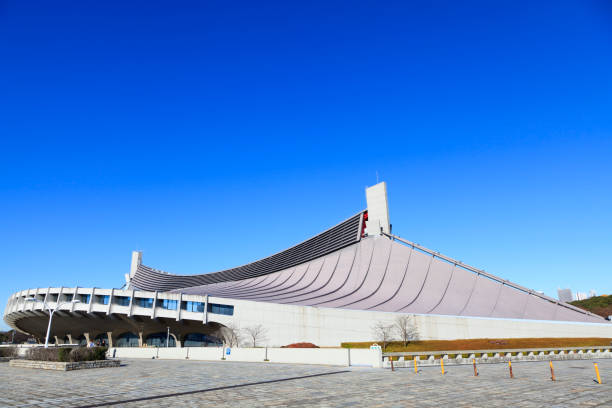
[51, 312]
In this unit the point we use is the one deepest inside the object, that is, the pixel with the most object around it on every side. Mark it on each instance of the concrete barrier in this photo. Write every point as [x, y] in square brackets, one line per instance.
[322, 356]
[203, 353]
[460, 357]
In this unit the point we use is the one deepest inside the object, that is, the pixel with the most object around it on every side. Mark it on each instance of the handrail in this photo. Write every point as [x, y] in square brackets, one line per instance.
[488, 275]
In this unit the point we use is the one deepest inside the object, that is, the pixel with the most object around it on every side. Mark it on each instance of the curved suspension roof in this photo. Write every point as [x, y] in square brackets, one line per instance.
[339, 269]
[346, 233]
[380, 274]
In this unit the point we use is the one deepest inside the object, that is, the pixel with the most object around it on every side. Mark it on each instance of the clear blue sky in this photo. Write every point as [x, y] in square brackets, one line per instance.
[210, 134]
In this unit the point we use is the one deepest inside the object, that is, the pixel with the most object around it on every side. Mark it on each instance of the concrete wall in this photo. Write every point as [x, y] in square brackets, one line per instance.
[286, 324]
[335, 357]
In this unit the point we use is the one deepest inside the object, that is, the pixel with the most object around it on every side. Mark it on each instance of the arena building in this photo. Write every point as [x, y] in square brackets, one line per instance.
[331, 288]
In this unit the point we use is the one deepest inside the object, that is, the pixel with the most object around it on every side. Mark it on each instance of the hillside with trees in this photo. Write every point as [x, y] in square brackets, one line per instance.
[600, 305]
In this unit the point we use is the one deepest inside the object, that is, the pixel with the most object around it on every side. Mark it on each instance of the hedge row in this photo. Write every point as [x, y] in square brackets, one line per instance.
[8, 351]
[66, 354]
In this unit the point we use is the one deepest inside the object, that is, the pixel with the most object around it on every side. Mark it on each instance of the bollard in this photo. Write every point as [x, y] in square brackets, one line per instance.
[475, 369]
[510, 367]
[552, 371]
[442, 363]
[415, 365]
[598, 381]
[391, 360]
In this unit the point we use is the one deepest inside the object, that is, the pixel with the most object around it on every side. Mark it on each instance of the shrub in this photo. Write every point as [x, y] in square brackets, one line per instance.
[8, 351]
[42, 354]
[99, 353]
[66, 354]
[88, 354]
[301, 345]
[78, 354]
[63, 354]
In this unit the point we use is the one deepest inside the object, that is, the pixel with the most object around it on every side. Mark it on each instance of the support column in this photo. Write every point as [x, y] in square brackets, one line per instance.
[206, 311]
[74, 297]
[110, 338]
[86, 338]
[56, 340]
[69, 338]
[140, 339]
[177, 343]
[154, 306]
[110, 301]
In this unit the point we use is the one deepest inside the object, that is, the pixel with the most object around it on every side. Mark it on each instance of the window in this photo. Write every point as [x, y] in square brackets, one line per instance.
[53, 297]
[221, 309]
[121, 300]
[84, 298]
[128, 340]
[68, 297]
[168, 304]
[193, 306]
[102, 299]
[145, 302]
[202, 340]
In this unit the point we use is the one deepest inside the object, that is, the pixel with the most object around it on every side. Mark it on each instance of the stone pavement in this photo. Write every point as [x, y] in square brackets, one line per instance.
[173, 383]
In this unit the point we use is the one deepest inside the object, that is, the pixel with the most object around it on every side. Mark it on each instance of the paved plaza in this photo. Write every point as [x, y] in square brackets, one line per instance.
[171, 383]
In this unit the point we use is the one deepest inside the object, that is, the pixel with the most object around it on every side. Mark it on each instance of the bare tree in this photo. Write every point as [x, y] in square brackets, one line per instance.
[405, 329]
[383, 332]
[255, 334]
[231, 334]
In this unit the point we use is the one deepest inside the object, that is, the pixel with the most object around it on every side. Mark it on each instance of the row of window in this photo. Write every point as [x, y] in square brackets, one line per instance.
[159, 340]
[147, 303]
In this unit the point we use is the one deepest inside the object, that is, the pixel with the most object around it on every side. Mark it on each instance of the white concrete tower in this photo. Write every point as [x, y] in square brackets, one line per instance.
[378, 209]
[136, 260]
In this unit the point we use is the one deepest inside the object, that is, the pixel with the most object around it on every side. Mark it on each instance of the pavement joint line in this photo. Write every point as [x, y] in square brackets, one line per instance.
[178, 394]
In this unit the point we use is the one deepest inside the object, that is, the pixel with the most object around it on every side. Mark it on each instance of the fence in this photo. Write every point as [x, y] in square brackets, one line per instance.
[457, 357]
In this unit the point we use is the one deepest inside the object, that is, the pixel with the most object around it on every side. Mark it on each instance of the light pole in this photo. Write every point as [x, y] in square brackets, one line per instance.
[51, 312]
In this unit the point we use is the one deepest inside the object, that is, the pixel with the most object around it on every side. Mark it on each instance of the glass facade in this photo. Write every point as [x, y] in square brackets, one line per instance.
[121, 300]
[221, 309]
[102, 299]
[193, 306]
[201, 340]
[127, 340]
[159, 340]
[144, 302]
[167, 304]
[84, 298]
[103, 339]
